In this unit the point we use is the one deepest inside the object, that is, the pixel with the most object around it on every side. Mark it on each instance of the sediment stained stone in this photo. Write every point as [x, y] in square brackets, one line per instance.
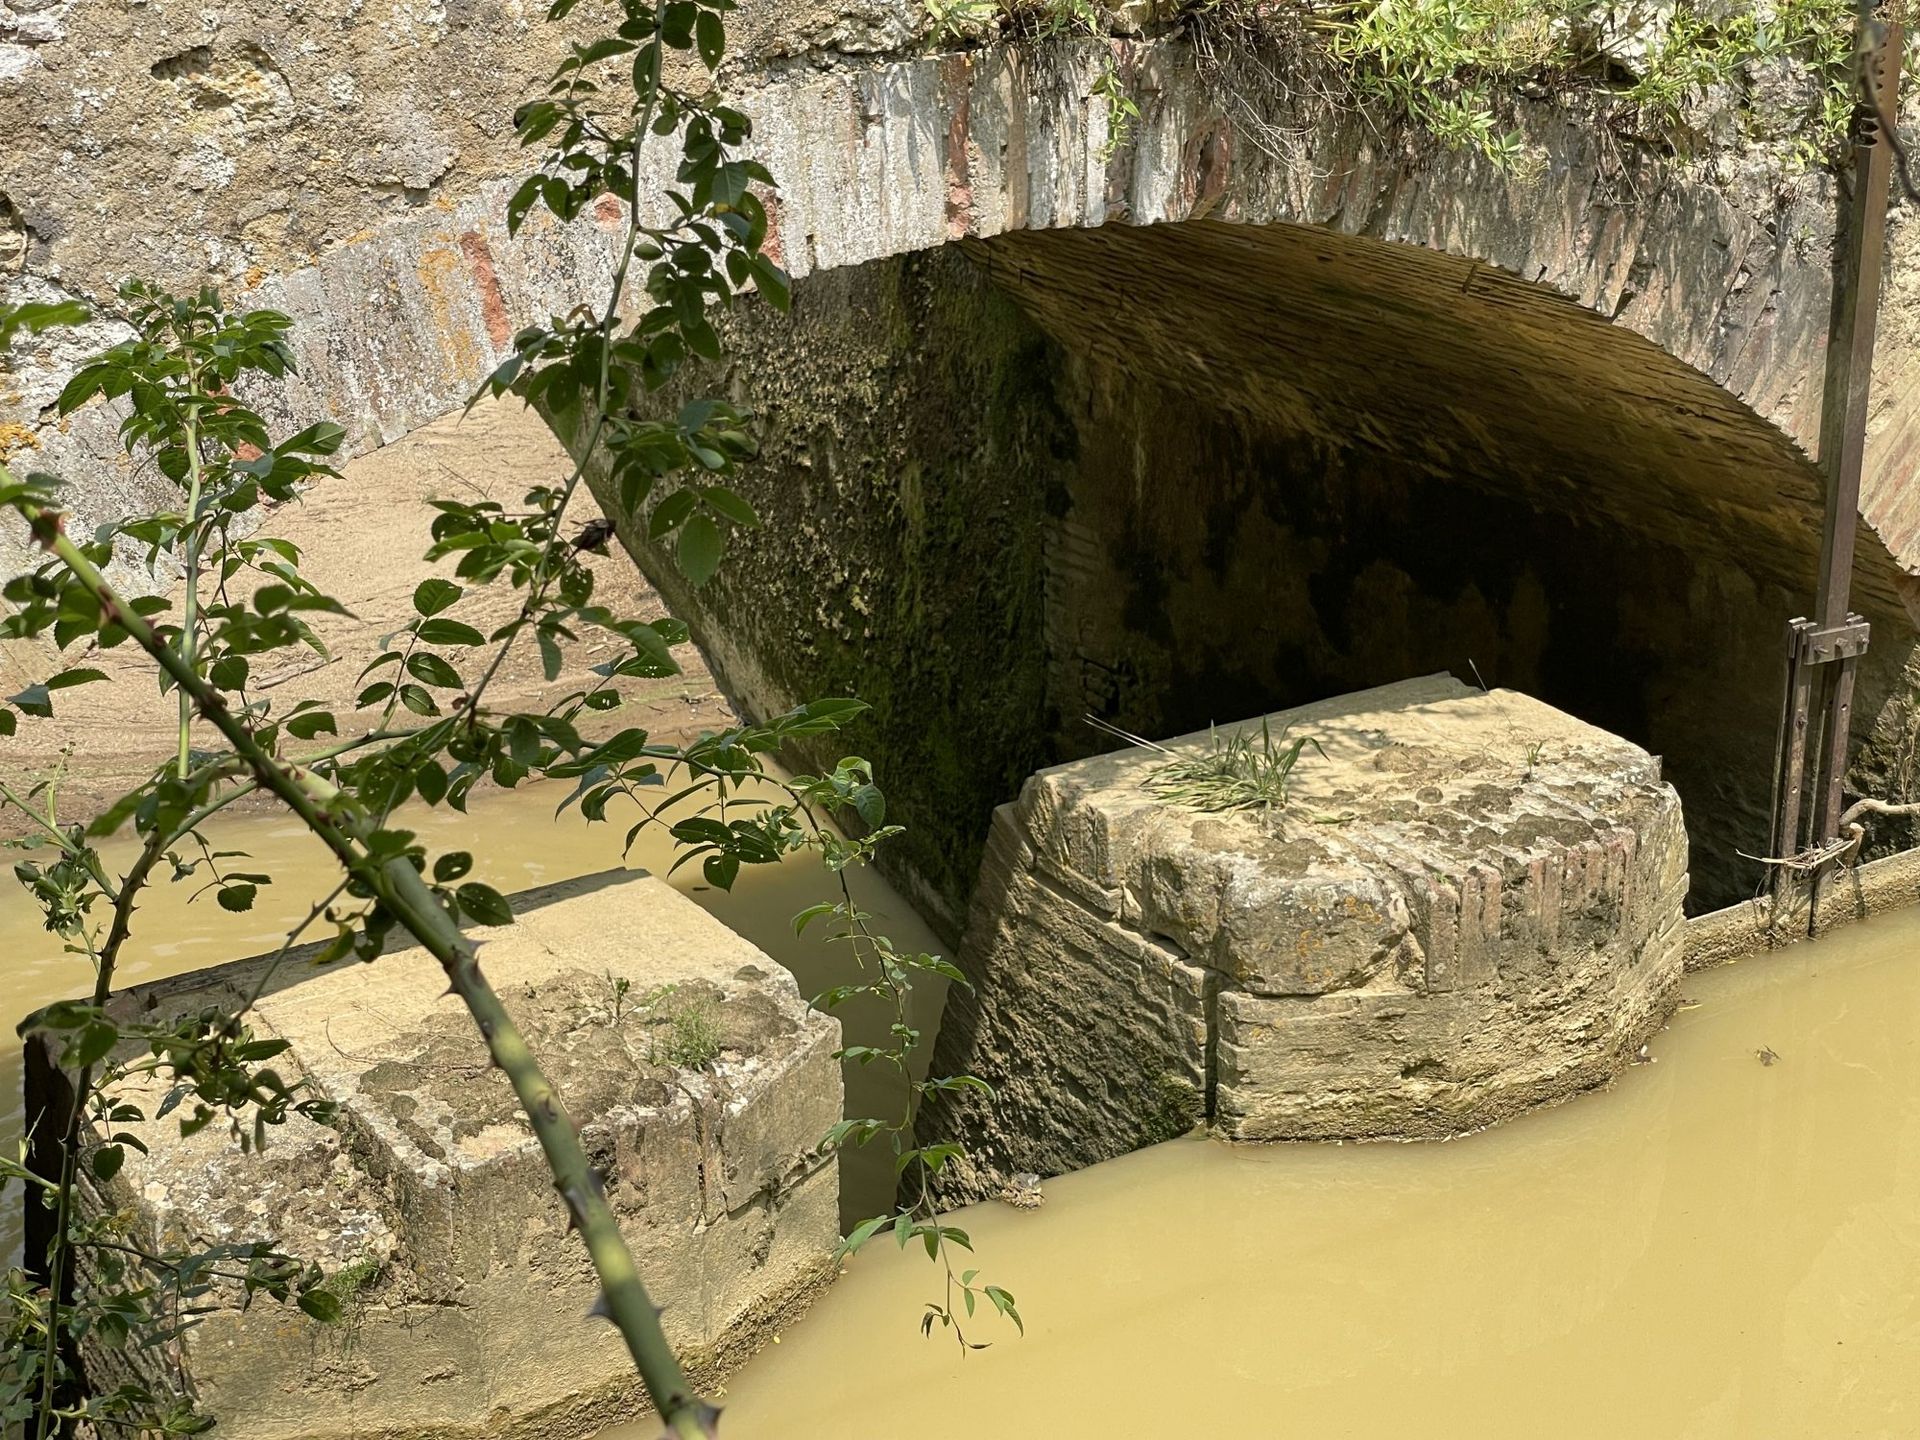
[465, 1298]
[1469, 904]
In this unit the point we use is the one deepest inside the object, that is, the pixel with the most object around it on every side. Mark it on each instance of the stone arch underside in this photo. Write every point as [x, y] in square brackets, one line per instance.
[1670, 328]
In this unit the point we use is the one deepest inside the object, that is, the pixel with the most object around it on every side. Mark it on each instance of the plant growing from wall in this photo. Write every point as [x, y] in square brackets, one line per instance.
[1454, 67]
[421, 728]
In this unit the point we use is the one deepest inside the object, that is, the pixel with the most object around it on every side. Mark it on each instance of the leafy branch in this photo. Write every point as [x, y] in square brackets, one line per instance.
[421, 728]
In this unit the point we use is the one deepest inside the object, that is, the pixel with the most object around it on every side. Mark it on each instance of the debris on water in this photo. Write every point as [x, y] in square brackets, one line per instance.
[1023, 1192]
[1643, 1056]
[1766, 1055]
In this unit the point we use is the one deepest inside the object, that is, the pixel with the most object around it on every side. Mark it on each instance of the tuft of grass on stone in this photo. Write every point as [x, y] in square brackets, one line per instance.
[1235, 772]
[1232, 773]
[686, 1035]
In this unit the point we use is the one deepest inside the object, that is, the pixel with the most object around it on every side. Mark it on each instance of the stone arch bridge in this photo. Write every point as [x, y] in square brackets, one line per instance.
[1259, 400]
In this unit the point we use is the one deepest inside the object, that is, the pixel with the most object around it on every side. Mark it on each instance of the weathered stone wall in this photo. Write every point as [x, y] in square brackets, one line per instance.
[351, 168]
[351, 165]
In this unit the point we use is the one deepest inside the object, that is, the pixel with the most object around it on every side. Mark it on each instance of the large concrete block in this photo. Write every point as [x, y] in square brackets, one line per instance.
[467, 1311]
[1470, 904]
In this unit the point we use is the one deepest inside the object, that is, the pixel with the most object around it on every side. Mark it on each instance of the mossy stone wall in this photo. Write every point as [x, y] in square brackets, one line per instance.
[911, 448]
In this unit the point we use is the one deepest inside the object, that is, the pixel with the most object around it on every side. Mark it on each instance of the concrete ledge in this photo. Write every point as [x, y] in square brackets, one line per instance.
[1722, 936]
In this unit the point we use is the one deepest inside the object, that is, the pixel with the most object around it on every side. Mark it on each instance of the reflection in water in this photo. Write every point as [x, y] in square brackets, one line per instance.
[516, 845]
[1714, 1248]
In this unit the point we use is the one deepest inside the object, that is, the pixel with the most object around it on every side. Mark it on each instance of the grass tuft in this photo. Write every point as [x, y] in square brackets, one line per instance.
[1235, 772]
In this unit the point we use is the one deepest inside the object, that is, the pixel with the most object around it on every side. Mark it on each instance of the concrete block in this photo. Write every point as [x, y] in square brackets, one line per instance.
[1470, 904]
[470, 1312]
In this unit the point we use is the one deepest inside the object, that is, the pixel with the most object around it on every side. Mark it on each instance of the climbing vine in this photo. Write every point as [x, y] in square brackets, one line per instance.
[421, 729]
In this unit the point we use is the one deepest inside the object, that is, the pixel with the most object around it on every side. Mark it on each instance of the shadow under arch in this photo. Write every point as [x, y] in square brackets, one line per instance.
[1177, 473]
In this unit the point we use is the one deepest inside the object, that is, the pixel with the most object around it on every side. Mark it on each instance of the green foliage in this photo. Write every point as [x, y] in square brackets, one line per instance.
[1454, 67]
[694, 1035]
[421, 728]
[1235, 773]
[1170, 1107]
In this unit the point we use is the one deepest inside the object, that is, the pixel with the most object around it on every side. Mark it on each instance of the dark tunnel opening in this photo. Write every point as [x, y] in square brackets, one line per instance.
[1179, 474]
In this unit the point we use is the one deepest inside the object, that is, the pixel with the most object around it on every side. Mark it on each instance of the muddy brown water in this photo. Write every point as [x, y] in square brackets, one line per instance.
[517, 844]
[1719, 1246]
[1715, 1247]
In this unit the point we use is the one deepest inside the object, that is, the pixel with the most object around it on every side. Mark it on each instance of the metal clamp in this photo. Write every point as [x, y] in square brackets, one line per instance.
[1819, 644]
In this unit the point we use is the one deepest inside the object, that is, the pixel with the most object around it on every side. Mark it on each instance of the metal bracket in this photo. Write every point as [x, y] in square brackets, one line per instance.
[1820, 644]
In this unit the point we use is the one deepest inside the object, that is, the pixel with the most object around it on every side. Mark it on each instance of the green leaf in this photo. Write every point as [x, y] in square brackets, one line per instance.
[451, 866]
[66, 679]
[721, 870]
[33, 700]
[107, 1161]
[322, 1305]
[38, 315]
[485, 904]
[449, 632]
[711, 36]
[323, 438]
[676, 26]
[670, 513]
[415, 699]
[1003, 1302]
[730, 505]
[864, 1232]
[311, 723]
[237, 898]
[433, 595]
[229, 672]
[869, 804]
[522, 201]
[93, 1044]
[431, 781]
[434, 671]
[699, 550]
[812, 913]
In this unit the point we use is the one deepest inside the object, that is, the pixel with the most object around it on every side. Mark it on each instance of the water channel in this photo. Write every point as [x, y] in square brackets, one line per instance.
[1724, 1244]
[1719, 1246]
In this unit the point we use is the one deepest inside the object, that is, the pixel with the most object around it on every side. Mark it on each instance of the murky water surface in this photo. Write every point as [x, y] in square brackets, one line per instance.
[516, 844]
[1715, 1247]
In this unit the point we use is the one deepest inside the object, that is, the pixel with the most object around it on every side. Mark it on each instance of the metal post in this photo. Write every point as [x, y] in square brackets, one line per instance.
[1823, 654]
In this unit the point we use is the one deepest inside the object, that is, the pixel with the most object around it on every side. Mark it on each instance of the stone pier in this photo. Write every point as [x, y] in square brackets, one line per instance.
[1470, 904]
[702, 1086]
